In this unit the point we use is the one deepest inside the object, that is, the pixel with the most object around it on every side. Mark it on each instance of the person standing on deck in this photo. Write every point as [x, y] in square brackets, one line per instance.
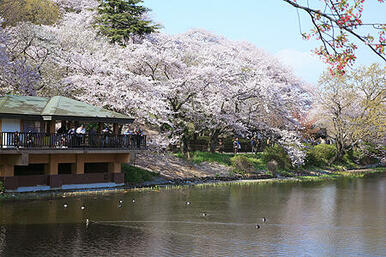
[71, 137]
[128, 137]
[105, 136]
[138, 134]
[80, 133]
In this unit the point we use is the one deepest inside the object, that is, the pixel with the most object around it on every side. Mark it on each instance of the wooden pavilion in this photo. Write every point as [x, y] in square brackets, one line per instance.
[43, 145]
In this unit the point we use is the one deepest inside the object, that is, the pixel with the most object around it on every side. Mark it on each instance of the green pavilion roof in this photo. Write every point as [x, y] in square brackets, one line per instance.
[56, 108]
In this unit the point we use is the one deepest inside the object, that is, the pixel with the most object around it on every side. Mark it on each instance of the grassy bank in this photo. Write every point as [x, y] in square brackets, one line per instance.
[135, 175]
[243, 163]
[199, 157]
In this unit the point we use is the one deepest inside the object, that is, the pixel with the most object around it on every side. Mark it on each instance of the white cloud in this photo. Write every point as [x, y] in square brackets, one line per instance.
[304, 64]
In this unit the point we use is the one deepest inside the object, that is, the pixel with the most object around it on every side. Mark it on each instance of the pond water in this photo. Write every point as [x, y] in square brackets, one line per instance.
[339, 218]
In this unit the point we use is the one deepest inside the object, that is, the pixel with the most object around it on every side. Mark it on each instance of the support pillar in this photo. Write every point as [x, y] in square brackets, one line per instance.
[115, 128]
[51, 126]
[7, 170]
[53, 165]
[100, 128]
[54, 180]
[51, 130]
[21, 125]
[132, 158]
[79, 166]
[73, 168]
[115, 167]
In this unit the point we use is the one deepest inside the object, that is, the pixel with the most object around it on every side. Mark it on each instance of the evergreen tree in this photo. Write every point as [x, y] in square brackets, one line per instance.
[121, 20]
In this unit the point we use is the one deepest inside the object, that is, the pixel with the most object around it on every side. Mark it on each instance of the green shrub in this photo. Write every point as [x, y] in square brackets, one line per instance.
[278, 154]
[320, 155]
[242, 163]
[1, 187]
[368, 153]
[137, 175]
[257, 161]
[351, 158]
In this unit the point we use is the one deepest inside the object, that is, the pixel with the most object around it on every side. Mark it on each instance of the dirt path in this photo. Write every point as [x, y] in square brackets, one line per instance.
[172, 167]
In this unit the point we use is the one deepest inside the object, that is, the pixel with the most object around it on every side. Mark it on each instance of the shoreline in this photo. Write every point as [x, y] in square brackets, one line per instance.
[164, 183]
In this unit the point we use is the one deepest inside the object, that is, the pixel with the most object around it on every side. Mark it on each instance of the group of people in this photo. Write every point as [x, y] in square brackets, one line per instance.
[255, 141]
[69, 136]
[80, 136]
[135, 136]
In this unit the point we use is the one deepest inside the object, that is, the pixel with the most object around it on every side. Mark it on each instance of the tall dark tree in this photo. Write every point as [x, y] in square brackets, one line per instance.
[122, 20]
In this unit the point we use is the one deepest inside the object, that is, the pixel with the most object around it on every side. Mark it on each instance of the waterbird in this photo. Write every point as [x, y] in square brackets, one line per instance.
[65, 205]
[204, 214]
[133, 200]
[119, 205]
[87, 222]
[82, 207]
[264, 219]
[120, 201]
[187, 203]
[257, 226]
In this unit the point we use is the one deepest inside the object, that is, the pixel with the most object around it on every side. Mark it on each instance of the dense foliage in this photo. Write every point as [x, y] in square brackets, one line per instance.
[320, 155]
[137, 175]
[278, 154]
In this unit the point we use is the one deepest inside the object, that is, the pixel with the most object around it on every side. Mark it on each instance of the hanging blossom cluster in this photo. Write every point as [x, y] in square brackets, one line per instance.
[291, 142]
[336, 23]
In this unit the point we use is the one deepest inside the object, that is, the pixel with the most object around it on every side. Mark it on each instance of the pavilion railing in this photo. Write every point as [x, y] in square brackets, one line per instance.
[12, 140]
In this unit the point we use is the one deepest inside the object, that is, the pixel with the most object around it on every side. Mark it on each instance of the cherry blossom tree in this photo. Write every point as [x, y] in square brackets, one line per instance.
[353, 107]
[16, 77]
[214, 85]
[183, 84]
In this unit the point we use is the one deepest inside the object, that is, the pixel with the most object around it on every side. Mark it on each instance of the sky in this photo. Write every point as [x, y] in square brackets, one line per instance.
[271, 25]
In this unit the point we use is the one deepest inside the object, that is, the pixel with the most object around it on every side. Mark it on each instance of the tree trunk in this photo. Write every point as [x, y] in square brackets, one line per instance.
[340, 151]
[184, 146]
[213, 139]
